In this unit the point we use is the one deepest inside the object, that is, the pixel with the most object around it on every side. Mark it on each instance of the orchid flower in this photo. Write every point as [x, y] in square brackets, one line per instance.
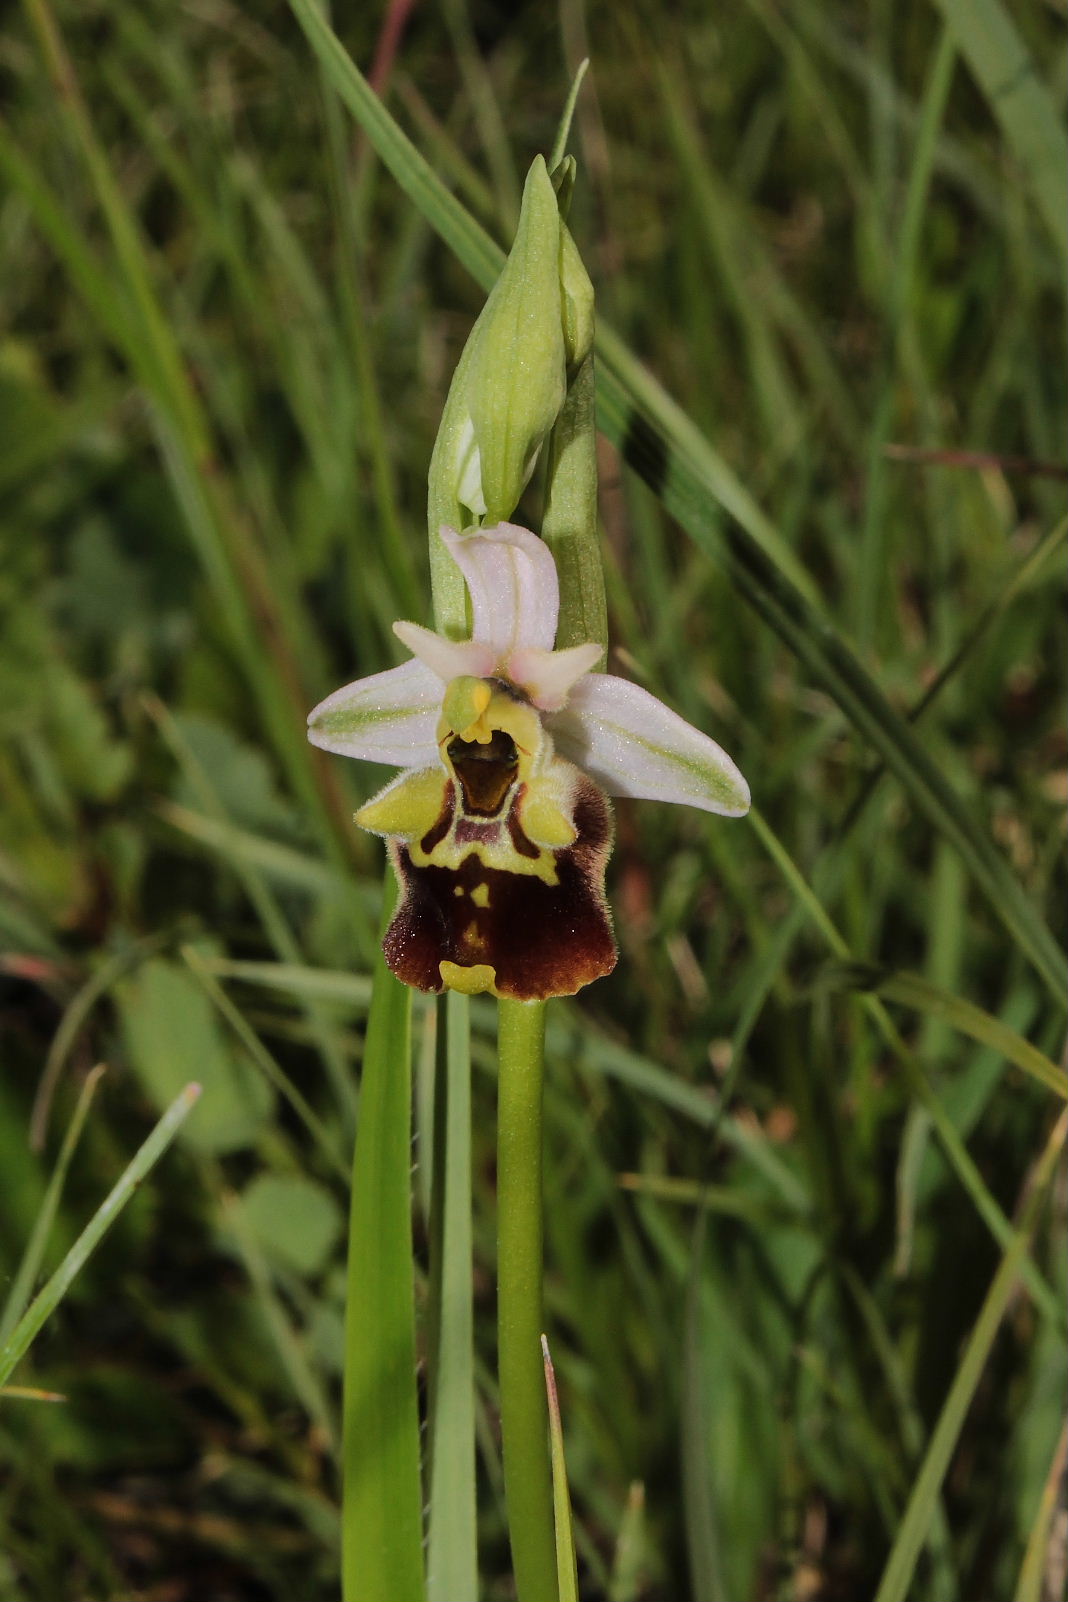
[499, 829]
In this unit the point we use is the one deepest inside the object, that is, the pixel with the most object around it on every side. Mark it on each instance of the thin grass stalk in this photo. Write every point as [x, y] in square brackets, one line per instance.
[30, 1265]
[912, 1531]
[52, 1293]
[566, 1562]
[956, 1151]
[240, 582]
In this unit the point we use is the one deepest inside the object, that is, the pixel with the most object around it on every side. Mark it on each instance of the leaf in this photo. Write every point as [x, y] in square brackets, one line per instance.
[49, 1298]
[295, 1221]
[922, 1504]
[241, 777]
[912, 990]
[172, 1034]
[566, 1568]
[382, 1499]
[1022, 103]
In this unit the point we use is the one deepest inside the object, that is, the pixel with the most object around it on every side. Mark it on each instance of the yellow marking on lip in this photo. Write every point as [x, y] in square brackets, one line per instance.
[458, 890]
[472, 981]
[407, 807]
[473, 936]
[480, 895]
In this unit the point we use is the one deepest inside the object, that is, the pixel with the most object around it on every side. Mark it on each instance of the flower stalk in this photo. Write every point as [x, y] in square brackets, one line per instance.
[524, 1409]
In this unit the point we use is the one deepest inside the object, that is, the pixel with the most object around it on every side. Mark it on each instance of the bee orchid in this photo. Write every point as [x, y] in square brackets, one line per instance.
[498, 828]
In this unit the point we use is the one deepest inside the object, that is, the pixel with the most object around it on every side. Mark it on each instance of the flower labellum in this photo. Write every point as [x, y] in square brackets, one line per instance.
[499, 829]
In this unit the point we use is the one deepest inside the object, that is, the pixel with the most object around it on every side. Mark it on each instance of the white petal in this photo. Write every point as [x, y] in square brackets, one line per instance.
[390, 717]
[632, 744]
[547, 676]
[515, 598]
[449, 659]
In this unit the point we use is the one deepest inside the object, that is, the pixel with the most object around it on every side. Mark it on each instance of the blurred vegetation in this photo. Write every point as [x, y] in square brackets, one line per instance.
[226, 343]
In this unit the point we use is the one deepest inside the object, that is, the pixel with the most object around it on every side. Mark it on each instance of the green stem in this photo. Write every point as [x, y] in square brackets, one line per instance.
[524, 1409]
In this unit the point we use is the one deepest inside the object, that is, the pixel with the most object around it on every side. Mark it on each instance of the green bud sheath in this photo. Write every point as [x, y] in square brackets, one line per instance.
[444, 506]
[517, 381]
[569, 526]
[577, 303]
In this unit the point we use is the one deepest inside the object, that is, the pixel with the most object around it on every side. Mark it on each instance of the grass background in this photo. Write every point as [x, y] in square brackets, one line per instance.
[227, 338]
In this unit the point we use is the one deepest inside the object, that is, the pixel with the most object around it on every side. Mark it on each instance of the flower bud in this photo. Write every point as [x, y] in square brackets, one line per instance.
[517, 379]
[510, 382]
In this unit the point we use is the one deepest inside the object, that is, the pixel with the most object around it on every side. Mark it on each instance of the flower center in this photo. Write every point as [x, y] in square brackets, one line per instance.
[486, 771]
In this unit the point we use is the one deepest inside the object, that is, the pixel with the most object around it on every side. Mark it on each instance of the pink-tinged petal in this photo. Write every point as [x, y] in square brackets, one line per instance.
[547, 676]
[515, 598]
[449, 659]
[390, 717]
[632, 744]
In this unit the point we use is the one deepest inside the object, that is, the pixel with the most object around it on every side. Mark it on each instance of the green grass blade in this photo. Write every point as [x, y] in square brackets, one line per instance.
[382, 1526]
[51, 1294]
[250, 605]
[697, 1442]
[1030, 1584]
[73, 1022]
[30, 1265]
[1023, 105]
[291, 1349]
[912, 990]
[832, 662]
[967, 1172]
[452, 1547]
[667, 450]
[349, 989]
[922, 1504]
[262, 897]
[270, 1069]
[566, 1563]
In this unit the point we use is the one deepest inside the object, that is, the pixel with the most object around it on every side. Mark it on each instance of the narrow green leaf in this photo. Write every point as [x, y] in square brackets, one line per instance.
[382, 1526]
[1030, 1584]
[272, 1072]
[912, 990]
[566, 1562]
[986, 1203]
[254, 611]
[292, 1353]
[50, 1296]
[30, 1265]
[701, 1503]
[922, 1505]
[260, 893]
[564, 130]
[350, 989]
[1020, 100]
[74, 1020]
